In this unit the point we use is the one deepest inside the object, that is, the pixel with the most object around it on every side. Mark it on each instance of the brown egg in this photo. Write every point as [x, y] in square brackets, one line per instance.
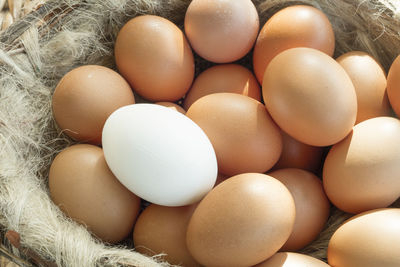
[290, 259]
[85, 97]
[312, 206]
[393, 85]
[310, 96]
[226, 78]
[161, 229]
[153, 55]
[299, 155]
[369, 80]
[174, 106]
[221, 31]
[244, 137]
[241, 222]
[370, 239]
[294, 26]
[82, 185]
[362, 171]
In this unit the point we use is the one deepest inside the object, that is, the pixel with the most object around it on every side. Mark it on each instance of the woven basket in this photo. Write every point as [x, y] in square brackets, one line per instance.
[371, 26]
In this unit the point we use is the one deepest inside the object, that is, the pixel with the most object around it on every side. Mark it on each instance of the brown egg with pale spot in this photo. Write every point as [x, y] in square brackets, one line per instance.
[152, 54]
[225, 78]
[244, 136]
[161, 229]
[83, 186]
[85, 97]
[369, 80]
[294, 26]
[312, 206]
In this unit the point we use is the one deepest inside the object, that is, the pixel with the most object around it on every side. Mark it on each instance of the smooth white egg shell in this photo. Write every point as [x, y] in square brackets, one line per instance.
[159, 154]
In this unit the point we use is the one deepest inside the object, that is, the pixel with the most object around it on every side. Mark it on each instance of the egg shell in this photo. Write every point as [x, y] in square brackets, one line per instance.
[296, 154]
[155, 58]
[369, 80]
[294, 26]
[291, 259]
[241, 222]
[310, 96]
[85, 97]
[159, 154]
[244, 136]
[173, 106]
[393, 85]
[369, 239]
[362, 172]
[83, 186]
[228, 78]
[312, 206]
[161, 229]
[221, 31]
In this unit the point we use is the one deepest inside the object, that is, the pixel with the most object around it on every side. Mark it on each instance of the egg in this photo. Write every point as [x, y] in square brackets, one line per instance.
[310, 96]
[159, 154]
[85, 97]
[241, 222]
[369, 239]
[228, 78]
[362, 172]
[369, 80]
[221, 31]
[244, 136]
[393, 85]
[155, 58]
[291, 259]
[294, 26]
[173, 106]
[299, 155]
[161, 229]
[312, 206]
[83, 186]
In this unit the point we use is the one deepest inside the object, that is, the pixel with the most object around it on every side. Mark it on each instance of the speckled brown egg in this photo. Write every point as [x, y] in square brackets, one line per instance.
[362, 171]
[161, 229]
[244, 136]
[241, 222]
[369, 80]
[221, 31]
[296, 154]
[154, 57]
[312, 206]
[85, 97]
[173, 106]
[310, 96]
[83, 186]
[294, 26]
[291, 259]
[393, 85]
[370, 239]
[228, 78]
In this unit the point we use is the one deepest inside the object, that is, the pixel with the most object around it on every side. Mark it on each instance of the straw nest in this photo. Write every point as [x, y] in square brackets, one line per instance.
[38, 50]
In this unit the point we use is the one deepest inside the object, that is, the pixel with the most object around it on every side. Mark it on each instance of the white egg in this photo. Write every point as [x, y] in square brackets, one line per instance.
[159, 154]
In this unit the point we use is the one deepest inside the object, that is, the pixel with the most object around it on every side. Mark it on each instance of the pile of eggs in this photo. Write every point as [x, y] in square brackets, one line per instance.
[230, 167]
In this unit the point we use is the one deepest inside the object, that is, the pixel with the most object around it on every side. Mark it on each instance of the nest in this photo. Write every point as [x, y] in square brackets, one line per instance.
[38, 50]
